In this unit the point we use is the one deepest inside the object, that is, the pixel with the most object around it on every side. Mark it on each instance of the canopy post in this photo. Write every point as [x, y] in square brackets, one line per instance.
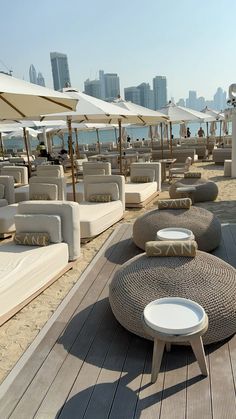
[1, 145]
[77, 144]
[151, 134]
[27, 150]
[162, 144]
[71, 155]
[207, 137]
[120, 146]
[171, 144]
[98, 141]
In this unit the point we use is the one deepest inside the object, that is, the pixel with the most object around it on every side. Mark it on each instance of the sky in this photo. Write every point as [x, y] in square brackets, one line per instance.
[190, 42]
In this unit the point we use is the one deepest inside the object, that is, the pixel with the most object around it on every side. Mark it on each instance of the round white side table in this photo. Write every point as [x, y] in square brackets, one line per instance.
[175, 234]
[175, 319]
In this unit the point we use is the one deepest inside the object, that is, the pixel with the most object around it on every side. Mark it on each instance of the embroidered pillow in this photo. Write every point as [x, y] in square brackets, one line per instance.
[192, 175]
[186, 248]
[32, 239]
[2, 189]
[140, 179]
[174, 203]
[100, 198]
[40, 197]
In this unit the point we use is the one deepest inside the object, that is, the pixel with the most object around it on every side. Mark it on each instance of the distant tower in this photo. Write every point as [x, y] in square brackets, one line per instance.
[32, 74]
[102, 83]
[160, 91]
[146, 95]
[60, 70]
[40, 80]
[93, 88]
[112, 86]
[132, 94]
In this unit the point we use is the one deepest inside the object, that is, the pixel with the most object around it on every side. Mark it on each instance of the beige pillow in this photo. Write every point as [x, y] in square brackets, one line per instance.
[140, 179]
[2, 190]
[186, 248]
[40, 197]
[174, 203]
[100, 198]
[32, 239]
[192, 175]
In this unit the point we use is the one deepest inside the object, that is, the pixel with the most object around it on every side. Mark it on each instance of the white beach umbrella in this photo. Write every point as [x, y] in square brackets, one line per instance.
[213, 128]
[20, 99]
[146, 116]
[218, 116]
[182, 130]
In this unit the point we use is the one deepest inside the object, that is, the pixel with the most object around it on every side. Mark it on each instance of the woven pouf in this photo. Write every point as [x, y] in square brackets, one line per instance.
[204, 225]
[206, 190]
[205, 279]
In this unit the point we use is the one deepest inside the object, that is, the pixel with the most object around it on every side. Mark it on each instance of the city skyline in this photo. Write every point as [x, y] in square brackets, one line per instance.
[191, 43]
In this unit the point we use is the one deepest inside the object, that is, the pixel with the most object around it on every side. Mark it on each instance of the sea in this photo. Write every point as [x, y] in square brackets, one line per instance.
[90, 137]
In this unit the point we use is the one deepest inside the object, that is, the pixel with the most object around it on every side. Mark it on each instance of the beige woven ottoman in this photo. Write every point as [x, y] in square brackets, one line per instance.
[204, 279]
[204, 225]
[206, 190]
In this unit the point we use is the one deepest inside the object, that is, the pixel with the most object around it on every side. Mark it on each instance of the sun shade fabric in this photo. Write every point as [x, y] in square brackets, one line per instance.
[40, 223]
[185, 248]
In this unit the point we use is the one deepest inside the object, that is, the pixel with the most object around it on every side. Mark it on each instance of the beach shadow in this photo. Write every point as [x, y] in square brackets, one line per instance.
[117, 258]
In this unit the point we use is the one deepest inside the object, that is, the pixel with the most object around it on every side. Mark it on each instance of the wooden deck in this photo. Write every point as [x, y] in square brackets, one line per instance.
[84, 364]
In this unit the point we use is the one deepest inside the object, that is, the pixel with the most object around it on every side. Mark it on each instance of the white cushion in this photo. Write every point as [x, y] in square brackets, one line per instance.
[79, 192]
[7, 222]
[95, 171]
[40, 223]
[43, 188]
[102, 188]
[2, 189]
[138, 171]
[3, 202]
[60, 182]
[136, 193]
[22, 193]
[50, 170]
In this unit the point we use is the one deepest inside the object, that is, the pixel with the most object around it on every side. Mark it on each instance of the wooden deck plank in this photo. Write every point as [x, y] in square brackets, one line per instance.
[100, 370]
[222, 383]
[45, 347]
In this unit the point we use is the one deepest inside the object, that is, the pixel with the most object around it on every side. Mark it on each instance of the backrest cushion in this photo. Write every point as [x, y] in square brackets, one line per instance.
[70, 222]
[50, 170]
[20, 173]
[94, 171]
[9, 191]
[102, 189]
[40, 223]
[106, 180]
[40, 189]
[2, 190]
[60, 182]
[32, 239]
[138, 171]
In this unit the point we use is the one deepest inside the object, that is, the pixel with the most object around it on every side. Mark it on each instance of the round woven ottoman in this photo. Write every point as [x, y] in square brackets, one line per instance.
[206, 190]
[204, 225]
[204, 279]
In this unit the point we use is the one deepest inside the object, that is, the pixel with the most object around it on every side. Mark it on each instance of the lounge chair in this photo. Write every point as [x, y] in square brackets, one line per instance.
[7, 194]
[139, 193]
[25, 271]
[96, 217]
[19, 173]
[181, 169]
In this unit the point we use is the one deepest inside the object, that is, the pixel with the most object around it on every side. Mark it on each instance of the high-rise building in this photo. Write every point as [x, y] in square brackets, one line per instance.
[219, 99]
[60, 70]
[181, 102]
[102, 83]
[192, 99]
[32, 74]
[93, 88]
[40, 80]
[112, 86]
[146, 95]
[132, 94]
[160, 91]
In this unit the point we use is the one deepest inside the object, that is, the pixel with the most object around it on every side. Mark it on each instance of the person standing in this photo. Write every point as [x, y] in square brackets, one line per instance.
[188, 132]
[201, 132]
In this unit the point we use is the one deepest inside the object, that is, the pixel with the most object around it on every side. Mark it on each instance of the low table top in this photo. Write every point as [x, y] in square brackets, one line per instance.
[175, 233]
[174, 316]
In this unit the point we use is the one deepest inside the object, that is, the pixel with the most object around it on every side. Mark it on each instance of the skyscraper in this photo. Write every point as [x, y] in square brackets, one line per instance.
[146, 95]
[93, 88]
[132, 94]
[219, 99]
[40, 80]
[60, 70]
[112, 86]
[160, 91]
[32, 74]
[102, 83]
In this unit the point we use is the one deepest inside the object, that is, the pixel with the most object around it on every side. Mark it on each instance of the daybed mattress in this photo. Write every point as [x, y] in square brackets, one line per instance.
[97, 217]
[7, 223]
[26, 269]
[135, 193]
[79, 192]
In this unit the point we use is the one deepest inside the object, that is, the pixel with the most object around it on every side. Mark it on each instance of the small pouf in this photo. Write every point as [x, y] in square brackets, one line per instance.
[204, 224]
[206, 190]
[205, 279]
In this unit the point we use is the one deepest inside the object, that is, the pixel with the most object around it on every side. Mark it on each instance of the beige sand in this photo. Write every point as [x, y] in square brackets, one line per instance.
[20, 330]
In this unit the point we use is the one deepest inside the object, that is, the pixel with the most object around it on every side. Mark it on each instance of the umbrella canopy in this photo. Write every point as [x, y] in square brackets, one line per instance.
[146, 116]
[20, 99]
[178, 114]
[19, 133]
[218, 116]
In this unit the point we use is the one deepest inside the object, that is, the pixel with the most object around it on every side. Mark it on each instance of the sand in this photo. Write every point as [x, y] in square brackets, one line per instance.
[18, 332]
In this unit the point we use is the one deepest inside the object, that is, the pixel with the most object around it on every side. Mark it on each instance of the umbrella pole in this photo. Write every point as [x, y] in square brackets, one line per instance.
[71, 156]
[98, 141]
[27, 150]
[207, 137]
[220, 129]
[151, 136]
[171, 148]
[77, 144]
[162, 145]
[1, 145]
[120, 146]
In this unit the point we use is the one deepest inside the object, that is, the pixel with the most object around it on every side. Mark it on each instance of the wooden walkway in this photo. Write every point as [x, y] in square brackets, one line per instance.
[84, 364]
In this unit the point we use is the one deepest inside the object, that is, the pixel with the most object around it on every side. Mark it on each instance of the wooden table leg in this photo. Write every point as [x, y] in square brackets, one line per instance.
[158, 350]
[198, 349]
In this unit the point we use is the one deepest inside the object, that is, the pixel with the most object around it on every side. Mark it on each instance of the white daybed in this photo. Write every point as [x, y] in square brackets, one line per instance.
[19, 173]
[25, 271]
[140, 194]
[7, 195]
[96, 217]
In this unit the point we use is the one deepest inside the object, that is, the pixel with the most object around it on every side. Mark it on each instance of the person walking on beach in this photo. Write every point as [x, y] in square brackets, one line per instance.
[188, 132]
[201, 132]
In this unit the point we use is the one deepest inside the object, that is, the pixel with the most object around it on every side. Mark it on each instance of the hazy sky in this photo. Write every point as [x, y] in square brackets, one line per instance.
[191, 42]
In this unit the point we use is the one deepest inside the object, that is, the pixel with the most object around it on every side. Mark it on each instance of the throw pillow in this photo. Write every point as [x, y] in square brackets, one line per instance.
[40, 197]
[140, 179]
[174, 203]
[32, 239]
[100, 198]
[192, 175]
[186, 248]
[2, 190]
